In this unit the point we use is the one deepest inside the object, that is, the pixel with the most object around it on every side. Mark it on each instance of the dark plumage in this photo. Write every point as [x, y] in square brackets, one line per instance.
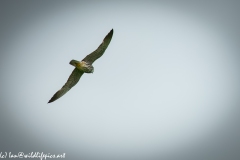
[85, 66]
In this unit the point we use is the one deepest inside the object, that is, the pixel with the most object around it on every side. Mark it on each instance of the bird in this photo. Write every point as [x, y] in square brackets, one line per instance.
[81, 67]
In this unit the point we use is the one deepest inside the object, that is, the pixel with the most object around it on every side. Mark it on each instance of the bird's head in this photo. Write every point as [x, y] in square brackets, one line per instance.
[74, 62]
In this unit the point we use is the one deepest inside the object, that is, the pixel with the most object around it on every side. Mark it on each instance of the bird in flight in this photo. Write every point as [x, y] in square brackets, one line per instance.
[85, 66]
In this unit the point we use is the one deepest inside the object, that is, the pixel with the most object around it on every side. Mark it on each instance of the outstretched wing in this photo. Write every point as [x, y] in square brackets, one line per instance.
[72, 81]
[100, 50]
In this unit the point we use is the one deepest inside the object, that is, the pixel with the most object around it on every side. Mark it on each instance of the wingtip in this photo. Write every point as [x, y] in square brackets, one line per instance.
[110, 34]
[51, 100]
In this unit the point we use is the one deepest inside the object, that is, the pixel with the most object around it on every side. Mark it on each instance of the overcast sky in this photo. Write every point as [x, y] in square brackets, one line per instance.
[167, 86]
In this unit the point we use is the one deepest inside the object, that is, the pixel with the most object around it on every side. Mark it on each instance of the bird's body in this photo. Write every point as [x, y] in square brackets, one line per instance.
[84, 66]
[81, 67]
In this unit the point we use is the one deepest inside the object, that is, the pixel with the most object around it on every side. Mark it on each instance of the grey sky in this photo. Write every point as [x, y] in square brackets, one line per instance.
[167, 87]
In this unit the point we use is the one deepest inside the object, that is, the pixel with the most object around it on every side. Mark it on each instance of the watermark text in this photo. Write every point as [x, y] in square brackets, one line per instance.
[39, 155]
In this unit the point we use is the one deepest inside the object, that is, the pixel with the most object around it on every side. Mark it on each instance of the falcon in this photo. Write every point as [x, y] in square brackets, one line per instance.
[81, 67]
